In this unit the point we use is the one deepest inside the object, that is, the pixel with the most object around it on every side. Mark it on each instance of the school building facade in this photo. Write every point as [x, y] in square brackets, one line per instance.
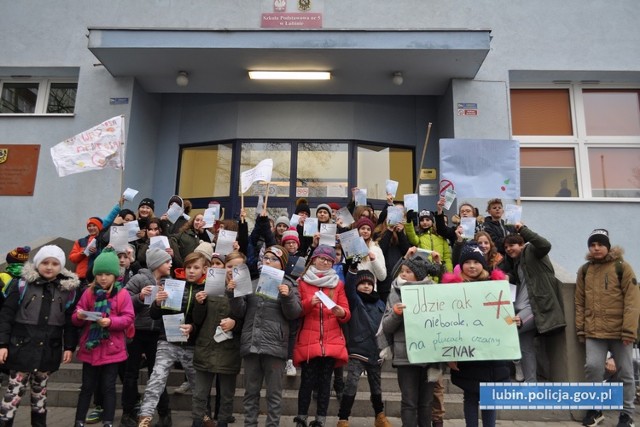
[562, 78]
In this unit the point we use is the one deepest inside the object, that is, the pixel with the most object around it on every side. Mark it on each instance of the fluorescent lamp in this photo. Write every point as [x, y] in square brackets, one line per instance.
[289, 75]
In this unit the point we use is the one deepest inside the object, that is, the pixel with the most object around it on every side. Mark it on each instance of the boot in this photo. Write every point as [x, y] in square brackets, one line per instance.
[38, 419]
[382, 421]
[164, 420]
[208, 422]
[301, 421]
[79, 424]
[128, 420]
[6, 423]
[144, 421]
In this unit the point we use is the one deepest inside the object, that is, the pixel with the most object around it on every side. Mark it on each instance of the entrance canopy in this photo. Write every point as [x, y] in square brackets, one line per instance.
[361, 62]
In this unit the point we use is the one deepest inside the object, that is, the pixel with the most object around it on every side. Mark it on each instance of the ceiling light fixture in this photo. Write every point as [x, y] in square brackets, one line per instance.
[182, 79]
[289, 75]
[397, 78]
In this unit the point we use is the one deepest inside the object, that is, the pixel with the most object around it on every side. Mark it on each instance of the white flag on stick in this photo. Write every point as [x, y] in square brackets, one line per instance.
[100, 147]
[262, 172]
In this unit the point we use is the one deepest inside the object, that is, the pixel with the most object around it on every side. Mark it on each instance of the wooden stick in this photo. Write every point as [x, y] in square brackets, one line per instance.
[424, 151]
[266, 197]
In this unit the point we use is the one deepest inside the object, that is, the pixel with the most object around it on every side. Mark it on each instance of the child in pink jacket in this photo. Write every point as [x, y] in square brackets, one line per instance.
[103, 342]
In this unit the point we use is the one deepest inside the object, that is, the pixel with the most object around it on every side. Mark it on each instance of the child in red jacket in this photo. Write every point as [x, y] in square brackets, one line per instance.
[320, 345]
[103, 342]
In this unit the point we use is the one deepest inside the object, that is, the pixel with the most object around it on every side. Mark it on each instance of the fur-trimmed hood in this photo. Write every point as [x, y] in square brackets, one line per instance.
[68, 279]
[614, 254]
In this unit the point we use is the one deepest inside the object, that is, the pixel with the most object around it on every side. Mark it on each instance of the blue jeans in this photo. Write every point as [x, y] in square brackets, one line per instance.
[471, 404]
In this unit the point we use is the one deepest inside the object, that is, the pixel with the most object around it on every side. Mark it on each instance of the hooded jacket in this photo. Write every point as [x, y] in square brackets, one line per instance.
[134, 286]
[320, 333]
[266, 321]
[209, 355]
[114, 348]
[431, 241]
[366, 315]
[544, 288]
[605, 307]
[36, 328]
[393, 324]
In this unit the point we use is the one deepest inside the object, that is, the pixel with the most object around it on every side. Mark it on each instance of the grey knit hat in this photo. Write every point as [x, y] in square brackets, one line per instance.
[156, 257]
[283, 220]
[419, 266]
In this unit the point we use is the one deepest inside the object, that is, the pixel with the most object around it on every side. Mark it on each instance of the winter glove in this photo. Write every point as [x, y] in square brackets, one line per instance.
[412, 216]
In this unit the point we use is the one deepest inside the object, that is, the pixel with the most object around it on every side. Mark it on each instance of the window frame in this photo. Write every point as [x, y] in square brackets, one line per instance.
[579, 141]
[42, 100]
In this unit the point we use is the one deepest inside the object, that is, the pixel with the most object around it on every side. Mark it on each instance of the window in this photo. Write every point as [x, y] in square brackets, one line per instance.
[578, 141]
[41, 96]
[323, 169]
[320, 171]
[205, 171]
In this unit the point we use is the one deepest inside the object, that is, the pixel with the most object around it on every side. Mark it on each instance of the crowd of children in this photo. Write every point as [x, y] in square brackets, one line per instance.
[327, 312]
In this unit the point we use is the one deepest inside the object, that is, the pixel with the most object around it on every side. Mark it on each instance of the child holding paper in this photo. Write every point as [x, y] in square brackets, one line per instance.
[193, 274]
[84, 251]
[145, 341]
[469, 375]
[215, 355]
[320, 346]
[374, 260]
[188, 239]
[416, 385]
[495, 225]
[425, 236]
[103, 341]
[27, 320]
[265, 333]
[465, 210]
[366, 314]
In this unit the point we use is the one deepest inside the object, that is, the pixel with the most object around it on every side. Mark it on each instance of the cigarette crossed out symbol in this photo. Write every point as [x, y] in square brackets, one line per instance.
[499, 303]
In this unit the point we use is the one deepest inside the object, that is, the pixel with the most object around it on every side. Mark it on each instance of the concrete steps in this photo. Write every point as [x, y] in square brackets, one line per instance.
[63, 387]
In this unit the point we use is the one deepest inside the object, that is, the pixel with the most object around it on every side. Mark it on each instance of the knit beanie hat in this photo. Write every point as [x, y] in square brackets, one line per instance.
[216, 255]
[107, 262]
[419, 267]
[471, 251]
[365, 276]
[206, 249]
[426, 214]
[175, 199]
[95, 221]
[280, 252]
[18, 255]
[324, 251]
[148, 202]
[302, 206]
[601, 236]
[291, 234]
[283, 220]
[156, 257]
[49, 251]
[364, 221]
[325, 207]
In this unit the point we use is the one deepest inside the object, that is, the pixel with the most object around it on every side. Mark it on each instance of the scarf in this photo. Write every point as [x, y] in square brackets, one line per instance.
[15, 269]
[97, 332]
[371, 298]
[321, 279]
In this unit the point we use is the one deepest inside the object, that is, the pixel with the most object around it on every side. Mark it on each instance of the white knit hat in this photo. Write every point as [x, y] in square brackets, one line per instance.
[49, 251]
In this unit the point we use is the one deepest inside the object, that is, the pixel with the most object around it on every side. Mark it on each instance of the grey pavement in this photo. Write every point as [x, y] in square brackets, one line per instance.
[64, 417]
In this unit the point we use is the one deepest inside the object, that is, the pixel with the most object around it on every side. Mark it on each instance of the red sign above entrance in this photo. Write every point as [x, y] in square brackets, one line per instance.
[291, 20]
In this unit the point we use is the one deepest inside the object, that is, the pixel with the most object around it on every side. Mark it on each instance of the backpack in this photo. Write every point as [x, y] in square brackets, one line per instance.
[619, 272]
